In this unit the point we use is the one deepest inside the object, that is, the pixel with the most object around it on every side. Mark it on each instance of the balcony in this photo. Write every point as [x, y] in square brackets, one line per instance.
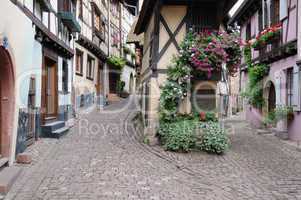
[45, 5]
[69, 19]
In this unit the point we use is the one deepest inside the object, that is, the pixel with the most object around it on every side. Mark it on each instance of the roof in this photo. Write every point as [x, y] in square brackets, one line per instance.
[131, 3]
[243, 9]
[148, 7]
[134, 38]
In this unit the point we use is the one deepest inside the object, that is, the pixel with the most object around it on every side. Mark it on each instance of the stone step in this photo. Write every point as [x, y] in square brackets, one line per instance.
[3, 162]
[7, 178]
[113, 97]
[60, 132]
[51, 127]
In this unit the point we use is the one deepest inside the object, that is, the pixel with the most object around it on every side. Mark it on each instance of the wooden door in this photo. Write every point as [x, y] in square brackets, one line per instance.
[51, 90]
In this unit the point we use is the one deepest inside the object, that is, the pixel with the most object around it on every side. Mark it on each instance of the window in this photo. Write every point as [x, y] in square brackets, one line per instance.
[65, 76]
[98, 23]
[79, 62]
[65, 5]
[283, 9]
[203, 17]
[80, 9]
[260, 20]
[248, 31]
[114, 8]
[90, 68]
[275, 12]
[289, 86]
[266, 12]
[115, 36]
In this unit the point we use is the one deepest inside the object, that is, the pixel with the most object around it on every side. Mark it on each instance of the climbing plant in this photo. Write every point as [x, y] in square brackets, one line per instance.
[254, 90]
[199, 53]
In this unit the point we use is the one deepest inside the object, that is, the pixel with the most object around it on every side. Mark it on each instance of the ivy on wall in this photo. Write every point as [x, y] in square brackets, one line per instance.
[256, 72]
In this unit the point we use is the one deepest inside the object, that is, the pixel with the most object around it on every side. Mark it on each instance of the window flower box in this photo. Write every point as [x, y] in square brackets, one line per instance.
[267, 36]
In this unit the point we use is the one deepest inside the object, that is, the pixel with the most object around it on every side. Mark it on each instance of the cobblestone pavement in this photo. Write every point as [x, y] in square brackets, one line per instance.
[89, 164]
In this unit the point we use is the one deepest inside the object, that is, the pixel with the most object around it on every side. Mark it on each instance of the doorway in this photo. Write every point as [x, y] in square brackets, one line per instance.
[271, 98]
[7, 101]
[50, 89]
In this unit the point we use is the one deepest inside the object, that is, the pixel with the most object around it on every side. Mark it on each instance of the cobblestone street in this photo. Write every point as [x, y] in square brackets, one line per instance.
[94, 165]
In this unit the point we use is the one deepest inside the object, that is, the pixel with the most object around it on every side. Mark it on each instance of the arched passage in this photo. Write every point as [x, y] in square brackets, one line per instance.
[7, 99]
[270, 97]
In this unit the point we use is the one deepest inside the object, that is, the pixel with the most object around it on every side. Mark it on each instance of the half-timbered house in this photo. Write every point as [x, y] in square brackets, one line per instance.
[281, 87]
[91, 51]
[37, 64]
[164, 25]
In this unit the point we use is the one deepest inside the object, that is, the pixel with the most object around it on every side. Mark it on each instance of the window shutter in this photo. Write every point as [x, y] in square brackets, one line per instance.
[283, 9]
[296, 89]
[278, 89]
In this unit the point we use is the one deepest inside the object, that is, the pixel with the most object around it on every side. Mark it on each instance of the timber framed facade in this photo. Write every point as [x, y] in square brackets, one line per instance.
[164, 25]
[281, 87]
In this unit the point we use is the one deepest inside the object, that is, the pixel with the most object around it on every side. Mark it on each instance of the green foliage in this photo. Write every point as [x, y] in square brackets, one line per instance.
[270, 119]
[254, 96]
[207, 117]
[248, 55]
[211, 117]
[117, 62]
[214, 138]
[254, 90]
[282, 112]
[169, 98]
[120, 86]
[178, 135]
[129, 51]
[257, 73]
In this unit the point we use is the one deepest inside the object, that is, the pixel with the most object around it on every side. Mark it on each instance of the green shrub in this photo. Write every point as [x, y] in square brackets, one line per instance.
[214, 138]
[270, 119]
[178, 136]
[117, 62]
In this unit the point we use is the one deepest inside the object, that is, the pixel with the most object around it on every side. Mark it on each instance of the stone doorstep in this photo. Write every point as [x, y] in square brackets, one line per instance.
[24, 158]
[7, 178]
